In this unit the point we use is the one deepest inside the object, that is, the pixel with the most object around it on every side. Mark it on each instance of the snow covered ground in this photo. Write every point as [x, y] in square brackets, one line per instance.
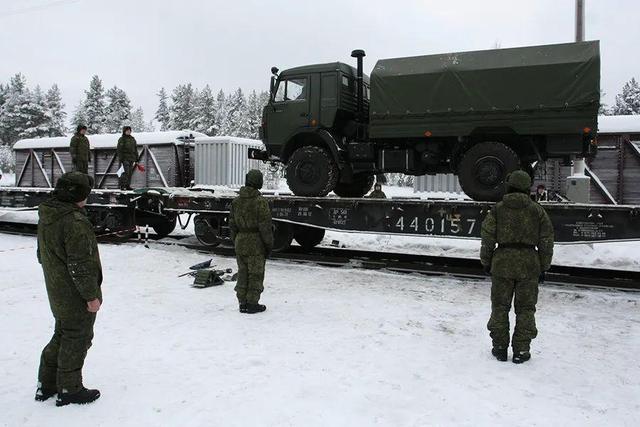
[337, 347]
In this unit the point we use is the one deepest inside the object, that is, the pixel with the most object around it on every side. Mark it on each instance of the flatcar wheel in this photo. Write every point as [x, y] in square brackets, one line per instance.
[206, 230]
[308, 237]
[282, 236]
[164, 228]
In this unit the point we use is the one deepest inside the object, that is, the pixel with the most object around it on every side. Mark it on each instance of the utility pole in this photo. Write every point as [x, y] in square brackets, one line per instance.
[578, 184]
[579, 20]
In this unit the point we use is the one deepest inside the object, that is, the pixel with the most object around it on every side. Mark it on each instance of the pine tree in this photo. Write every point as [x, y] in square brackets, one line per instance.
[238, 118]
[254, 113]
[181, 110]
[13, 118]
[33, 114]
[222, 114]
[78, 118]
[136, 121]
[94, 106]
[628, 102]
[162, 114]
[204, 113]
[118, 110]
[55, 111]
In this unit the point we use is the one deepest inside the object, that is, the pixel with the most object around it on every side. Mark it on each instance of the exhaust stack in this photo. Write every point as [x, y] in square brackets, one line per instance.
[359, 54]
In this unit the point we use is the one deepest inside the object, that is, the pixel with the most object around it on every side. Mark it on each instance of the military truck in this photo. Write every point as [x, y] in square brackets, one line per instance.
[478, 114]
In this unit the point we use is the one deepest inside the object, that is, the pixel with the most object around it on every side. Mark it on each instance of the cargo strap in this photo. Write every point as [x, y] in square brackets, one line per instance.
[515, 246]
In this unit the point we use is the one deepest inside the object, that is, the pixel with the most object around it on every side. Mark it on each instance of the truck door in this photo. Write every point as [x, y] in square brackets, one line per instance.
[290, 109]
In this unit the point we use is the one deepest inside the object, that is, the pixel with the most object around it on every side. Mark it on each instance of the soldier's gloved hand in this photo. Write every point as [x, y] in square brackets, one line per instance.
[93, 306]
[487, 270]
[541, 277]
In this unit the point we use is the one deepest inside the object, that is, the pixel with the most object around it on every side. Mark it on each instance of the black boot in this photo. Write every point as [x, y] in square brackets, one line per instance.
[80, 397]
[499, 353]
[243, 308]
[521, 356]
[255, 308]
[43, 393]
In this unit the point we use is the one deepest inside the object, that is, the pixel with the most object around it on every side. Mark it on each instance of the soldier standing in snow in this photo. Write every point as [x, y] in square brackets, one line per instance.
[524, 234]
[128, 156]
[80, 151]
[252, 235]
[68, 252]
[377, 192]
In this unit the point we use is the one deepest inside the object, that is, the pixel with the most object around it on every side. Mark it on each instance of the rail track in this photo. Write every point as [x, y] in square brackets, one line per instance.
[465, 268]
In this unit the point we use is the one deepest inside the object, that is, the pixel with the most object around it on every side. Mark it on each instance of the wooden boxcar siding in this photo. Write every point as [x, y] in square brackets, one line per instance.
[166, 155]
[631, 177]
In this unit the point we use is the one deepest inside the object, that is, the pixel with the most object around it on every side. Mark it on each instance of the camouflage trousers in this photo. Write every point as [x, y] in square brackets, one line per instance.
[249, 286]
[524, 294]
[125, 178]
[62, 359]
[81, 166]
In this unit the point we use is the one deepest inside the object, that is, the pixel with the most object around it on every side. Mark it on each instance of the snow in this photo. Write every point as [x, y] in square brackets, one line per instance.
[8, 180]
[619, 124]
[255, 143]
[108, 140]
[344, 348]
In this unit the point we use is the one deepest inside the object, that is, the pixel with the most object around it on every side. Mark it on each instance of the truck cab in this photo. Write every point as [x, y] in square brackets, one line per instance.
[311, 117]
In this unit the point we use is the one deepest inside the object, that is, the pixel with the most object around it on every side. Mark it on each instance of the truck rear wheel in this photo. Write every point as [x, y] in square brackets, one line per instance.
[311, 171]
[484, 168]
[360, 186]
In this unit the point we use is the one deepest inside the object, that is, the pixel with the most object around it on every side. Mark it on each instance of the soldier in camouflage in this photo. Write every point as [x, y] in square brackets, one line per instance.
[68, 252]
[80, 151]
[128, 156]
[523, 233]
[252, 235]
[377, 192]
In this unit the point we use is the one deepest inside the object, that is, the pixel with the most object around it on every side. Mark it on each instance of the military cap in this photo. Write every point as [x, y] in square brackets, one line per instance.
[254, 179]
[73, 187]
[519, 181]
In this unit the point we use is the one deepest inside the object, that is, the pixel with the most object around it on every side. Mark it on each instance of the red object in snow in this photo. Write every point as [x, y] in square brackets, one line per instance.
[140, 167]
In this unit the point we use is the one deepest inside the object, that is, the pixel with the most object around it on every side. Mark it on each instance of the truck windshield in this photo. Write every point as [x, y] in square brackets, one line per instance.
[291, 89]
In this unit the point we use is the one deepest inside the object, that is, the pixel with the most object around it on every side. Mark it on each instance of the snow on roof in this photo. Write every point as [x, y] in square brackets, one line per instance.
[228, 139]
[619, 124]
[108, 140]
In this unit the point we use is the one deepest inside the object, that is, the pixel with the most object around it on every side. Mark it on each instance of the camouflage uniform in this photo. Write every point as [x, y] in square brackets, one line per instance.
[80, 153]
[524, 234]
[252, 235]
[377, 194]
[68, 252]
[128, 156]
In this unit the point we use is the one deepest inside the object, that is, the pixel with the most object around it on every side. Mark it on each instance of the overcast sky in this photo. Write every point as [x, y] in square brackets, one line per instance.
[142, 45]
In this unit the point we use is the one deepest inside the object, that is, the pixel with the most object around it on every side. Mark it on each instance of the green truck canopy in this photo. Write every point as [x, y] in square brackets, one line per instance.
[449, 94]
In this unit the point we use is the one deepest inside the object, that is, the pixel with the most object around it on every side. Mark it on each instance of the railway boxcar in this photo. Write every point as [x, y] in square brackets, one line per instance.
[166, 157]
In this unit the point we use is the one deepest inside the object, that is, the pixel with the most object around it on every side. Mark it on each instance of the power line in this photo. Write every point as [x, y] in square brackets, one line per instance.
[37, 7]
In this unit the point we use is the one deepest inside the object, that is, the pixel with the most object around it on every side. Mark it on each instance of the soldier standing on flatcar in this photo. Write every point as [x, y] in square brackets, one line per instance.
[377, 192]
[524, 234]
[128, 156]
[80, 150]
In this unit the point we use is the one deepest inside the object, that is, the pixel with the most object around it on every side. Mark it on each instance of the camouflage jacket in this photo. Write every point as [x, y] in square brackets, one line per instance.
[377, 194]
[127, 149]
[250, 223]
[79, 149]
[68, 252]
[517, 220]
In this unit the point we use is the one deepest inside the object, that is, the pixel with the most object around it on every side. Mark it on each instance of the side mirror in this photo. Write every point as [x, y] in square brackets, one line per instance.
[274, 71]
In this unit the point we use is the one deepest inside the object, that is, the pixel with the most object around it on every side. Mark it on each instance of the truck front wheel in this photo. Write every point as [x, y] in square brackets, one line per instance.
[484, 168]
[311, 171]
[360, 186]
